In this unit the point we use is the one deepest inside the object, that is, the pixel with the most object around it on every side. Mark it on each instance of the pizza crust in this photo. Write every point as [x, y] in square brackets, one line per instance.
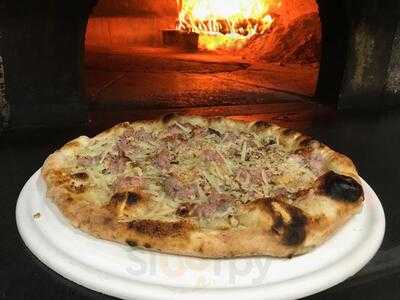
[266, 226]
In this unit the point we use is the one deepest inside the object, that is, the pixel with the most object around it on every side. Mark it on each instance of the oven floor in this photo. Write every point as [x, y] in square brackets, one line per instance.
[161, 77]
[135, 83]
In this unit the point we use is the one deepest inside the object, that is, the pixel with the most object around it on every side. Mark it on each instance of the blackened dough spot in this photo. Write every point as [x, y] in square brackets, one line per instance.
[131, 243]
[307, 142]
[341, 187]
[292, 233]
[168, 117]
[261, 125]
[132, 198]
[295, 233]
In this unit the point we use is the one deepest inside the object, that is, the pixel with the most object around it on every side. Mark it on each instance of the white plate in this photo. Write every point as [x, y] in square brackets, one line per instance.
[130, 273]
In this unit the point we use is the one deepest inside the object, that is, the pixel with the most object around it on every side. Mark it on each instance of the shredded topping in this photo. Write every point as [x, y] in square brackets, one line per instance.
[213, 169]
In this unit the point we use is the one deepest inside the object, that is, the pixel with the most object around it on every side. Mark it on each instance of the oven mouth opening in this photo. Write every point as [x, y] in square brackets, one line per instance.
[192, 56]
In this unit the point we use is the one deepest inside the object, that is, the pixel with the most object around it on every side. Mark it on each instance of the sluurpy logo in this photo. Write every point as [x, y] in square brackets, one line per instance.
[197, 272]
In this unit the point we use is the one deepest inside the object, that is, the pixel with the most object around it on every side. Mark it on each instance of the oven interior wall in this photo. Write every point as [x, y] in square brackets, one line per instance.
[130, 22]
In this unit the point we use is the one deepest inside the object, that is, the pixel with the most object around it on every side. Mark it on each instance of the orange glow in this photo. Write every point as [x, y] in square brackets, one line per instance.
[225, 24]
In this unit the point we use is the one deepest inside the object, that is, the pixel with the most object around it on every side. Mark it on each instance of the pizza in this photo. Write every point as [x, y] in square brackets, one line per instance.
[202, 187]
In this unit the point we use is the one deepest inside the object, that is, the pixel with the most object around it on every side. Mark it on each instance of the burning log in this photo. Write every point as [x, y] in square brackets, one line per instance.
[188, 41]
[224, 26]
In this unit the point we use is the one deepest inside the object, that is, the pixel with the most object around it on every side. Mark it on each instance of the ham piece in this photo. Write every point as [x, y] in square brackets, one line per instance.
[176, 189]
[217, 204]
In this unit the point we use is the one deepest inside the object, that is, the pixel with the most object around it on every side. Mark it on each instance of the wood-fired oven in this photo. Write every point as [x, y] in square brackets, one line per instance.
[66, 63]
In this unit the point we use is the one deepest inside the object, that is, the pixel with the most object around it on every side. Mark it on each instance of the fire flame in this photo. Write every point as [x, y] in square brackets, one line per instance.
[225, 24]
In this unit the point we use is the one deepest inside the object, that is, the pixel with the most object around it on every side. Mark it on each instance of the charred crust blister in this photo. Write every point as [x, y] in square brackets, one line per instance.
[132, 198]
[261, 125]
[157, 229]
[294, 235]
[131, 243]
[168, 117]
[293, 231]
[340, 187]
[278, 224]
[307, 142]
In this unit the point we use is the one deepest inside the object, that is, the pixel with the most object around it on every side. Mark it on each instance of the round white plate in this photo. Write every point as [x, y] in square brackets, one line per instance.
[126, 272]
